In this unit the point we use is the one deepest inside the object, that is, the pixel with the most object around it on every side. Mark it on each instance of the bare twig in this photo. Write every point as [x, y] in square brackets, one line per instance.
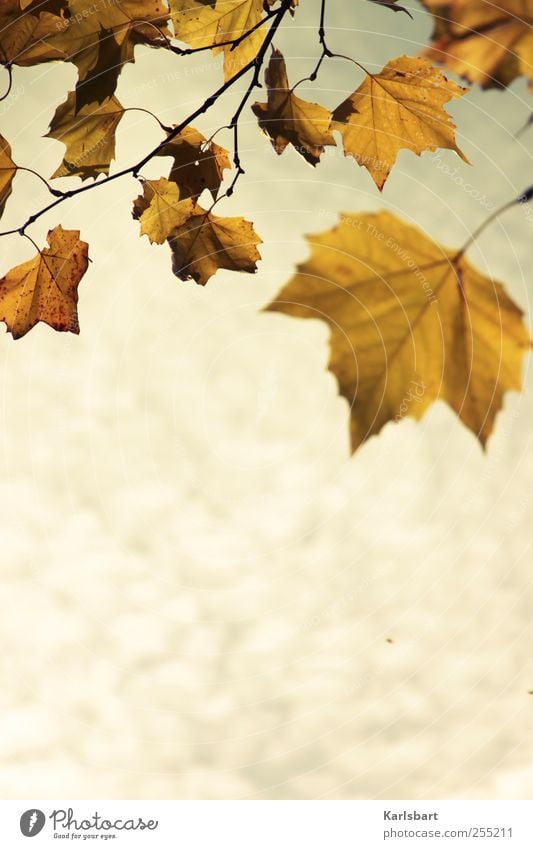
[9, 70]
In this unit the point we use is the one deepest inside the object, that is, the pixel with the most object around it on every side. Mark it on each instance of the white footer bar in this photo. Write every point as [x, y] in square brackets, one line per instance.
[266, 824]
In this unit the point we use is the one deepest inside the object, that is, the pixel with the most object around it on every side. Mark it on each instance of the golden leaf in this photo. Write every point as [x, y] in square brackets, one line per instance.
[45, 288]
[411, 322]
[402, 107]
[89, 136]
[287, 119]
[160, 209]
[207, 242]
[198, 164]
[8, 169]
[484, 42]
[210, 24]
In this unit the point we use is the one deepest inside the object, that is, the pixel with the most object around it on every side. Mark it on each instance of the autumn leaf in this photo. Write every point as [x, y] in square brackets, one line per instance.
[45, 288]
[484, 42]
[207, 242]
[211, 23]
[8, 169]
[287, 119]
[198, 164]
[411, 322]
[160, 209]
[402, 107]
[89, 136]
[100, 39]
[27, 30]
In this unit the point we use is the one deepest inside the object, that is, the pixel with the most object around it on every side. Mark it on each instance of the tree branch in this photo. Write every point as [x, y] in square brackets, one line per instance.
[256, 63]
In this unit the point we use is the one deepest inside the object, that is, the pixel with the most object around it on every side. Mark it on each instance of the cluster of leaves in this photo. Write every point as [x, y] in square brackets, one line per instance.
[403, 311]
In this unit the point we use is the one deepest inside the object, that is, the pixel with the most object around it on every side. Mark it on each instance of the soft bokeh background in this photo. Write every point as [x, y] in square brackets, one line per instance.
[203, 595]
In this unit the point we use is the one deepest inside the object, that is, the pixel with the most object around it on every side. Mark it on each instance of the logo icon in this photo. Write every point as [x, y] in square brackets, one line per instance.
[32, 822]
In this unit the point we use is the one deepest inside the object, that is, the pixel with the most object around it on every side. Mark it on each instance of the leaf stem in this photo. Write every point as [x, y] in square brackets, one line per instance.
[524, 197]
[147, 112]
[35, 245]
[233, 43]
[9, 70]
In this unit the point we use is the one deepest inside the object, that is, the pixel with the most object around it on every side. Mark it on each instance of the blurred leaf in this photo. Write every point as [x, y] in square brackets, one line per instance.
[484, 42]
[411, 322]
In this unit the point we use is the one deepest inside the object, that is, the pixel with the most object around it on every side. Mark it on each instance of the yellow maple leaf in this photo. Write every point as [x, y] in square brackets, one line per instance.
[411, 322]
[402, 107]
[484, 42]
[8, 169]
[207, 242]
[89, 136]
[160, 209]
[45, 288]
[210, 24]
[287, 119]
[198, 164]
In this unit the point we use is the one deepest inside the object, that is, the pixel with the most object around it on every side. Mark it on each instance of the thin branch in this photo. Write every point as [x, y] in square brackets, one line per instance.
[322, 26]
[255, 63]
[326, 52]
[254, 83]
